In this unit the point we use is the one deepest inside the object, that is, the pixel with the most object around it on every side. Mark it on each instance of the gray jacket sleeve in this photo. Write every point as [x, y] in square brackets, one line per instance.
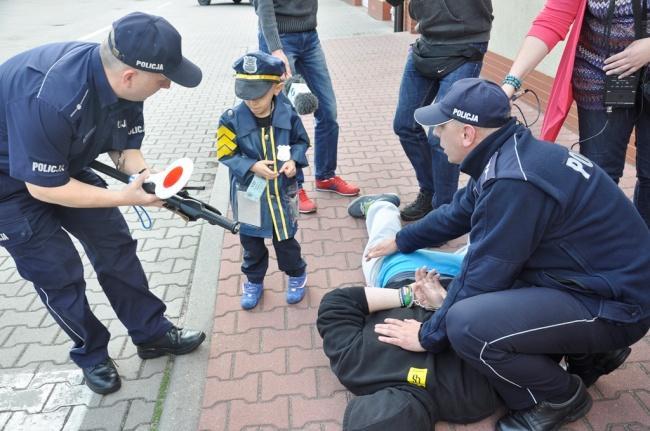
[266, 14]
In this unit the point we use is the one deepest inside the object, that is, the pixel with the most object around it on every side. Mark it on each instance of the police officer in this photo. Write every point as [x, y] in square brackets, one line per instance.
[558, 262]
[61, 105]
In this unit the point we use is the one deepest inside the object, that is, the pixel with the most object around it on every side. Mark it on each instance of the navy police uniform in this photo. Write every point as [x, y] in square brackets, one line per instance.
[243, 140]
[558, 260]
[58, 112]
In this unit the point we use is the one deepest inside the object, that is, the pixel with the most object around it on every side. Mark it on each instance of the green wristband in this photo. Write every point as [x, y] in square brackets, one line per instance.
[406, 296]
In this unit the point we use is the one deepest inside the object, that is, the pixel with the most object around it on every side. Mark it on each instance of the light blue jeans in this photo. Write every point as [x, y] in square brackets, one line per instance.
[306, 56]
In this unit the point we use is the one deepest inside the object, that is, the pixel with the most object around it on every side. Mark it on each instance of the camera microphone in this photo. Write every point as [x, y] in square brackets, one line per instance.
[300, 96]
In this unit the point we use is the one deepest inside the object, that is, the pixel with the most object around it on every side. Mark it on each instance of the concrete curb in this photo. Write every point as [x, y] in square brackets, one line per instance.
[182, 405]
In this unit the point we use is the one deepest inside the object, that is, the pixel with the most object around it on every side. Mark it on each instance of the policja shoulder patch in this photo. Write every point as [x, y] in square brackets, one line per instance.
[226, 143]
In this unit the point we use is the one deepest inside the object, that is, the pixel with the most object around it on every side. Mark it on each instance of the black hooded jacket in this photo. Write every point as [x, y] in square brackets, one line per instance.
[438, 386]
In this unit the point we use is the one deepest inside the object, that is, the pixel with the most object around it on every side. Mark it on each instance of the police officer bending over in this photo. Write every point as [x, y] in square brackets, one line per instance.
[61, 105]
[559, 262]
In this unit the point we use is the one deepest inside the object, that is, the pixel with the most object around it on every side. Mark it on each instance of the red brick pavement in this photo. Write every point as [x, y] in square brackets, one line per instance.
[267, 369]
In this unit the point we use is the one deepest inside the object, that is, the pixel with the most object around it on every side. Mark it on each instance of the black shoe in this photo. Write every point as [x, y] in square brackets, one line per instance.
[591, 367]
[358, 208]
[102, 378]
[177, 341]
[417, 209]
[547, 416]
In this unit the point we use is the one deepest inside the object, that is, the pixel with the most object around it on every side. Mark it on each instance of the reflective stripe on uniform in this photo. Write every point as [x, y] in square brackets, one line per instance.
[277, 190]
[275, 186]
[268, 193]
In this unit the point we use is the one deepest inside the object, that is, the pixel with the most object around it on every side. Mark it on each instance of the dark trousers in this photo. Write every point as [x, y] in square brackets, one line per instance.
[256, 257]
[608, 149]
[45, 255]
[511, 337]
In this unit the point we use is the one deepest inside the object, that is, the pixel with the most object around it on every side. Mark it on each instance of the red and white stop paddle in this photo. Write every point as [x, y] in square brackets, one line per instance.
[173, 179]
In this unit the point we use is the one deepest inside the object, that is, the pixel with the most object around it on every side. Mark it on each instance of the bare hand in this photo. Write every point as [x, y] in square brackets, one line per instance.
[134, 194]
[288, 168]
[628, 61]
[287, 67]
[509, 90]
[264, 168]
[382, 248]
[400, 333]
[427, 288]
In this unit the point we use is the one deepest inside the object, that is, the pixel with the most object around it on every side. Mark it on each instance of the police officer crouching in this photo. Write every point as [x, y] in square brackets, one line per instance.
[61, 105]
[558, 262]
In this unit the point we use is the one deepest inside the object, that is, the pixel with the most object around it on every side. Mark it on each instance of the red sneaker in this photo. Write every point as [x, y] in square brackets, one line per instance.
[337, 185]
[305, 205]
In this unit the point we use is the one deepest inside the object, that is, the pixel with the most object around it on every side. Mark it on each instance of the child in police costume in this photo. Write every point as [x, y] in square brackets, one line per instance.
[262, 141]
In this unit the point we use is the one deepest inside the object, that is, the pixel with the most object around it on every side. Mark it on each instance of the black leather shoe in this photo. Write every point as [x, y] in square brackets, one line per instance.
[177, 341]
[547, 416]
[103, 378]
[418, 208]
[591, 367]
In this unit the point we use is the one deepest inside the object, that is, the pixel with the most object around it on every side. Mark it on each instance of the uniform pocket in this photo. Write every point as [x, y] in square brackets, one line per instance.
[15, 232]
[590, 281]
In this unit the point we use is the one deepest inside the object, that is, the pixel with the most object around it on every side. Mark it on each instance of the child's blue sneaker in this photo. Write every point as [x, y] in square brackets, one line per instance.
[251, 294]
[296, 289]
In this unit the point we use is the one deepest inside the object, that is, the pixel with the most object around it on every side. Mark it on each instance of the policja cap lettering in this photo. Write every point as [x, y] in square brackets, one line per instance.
[151, 43]
[474, 101]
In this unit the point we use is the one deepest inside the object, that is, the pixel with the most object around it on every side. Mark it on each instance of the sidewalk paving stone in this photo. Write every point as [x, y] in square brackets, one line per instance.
[29, 400]
[139, 414]
[21, 421]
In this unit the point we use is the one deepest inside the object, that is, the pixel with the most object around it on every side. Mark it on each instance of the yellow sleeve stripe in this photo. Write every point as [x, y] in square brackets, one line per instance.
[225, 131]
[225, 147]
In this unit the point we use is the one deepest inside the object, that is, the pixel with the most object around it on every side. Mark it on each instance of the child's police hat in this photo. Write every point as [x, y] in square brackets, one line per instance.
[255, 73]
[151, 43]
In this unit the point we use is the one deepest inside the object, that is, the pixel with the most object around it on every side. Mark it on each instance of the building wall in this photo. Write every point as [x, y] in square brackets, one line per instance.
[512, 19]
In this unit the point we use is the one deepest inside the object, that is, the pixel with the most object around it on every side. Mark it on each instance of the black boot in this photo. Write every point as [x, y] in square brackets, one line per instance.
[591, 367]
[417, 209]
[547, 416]
[177, 341]
[102, 378]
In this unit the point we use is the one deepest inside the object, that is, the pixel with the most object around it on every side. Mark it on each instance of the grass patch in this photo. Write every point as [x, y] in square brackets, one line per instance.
[162, 394]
